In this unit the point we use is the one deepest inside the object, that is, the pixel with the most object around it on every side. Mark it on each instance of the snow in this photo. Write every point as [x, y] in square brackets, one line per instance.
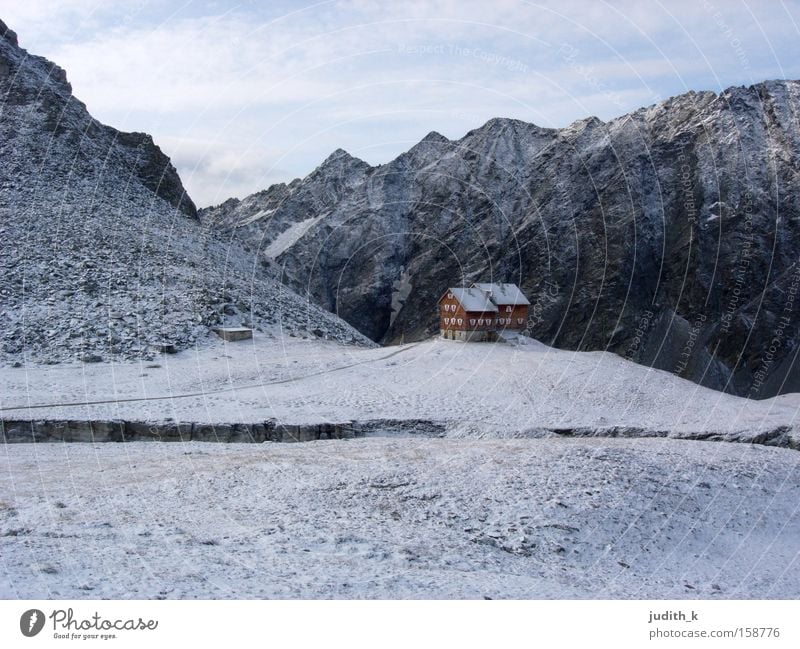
[458, 511]
[504, 294]
[256, 216]
[473, 300]
[291, 235]
[508, 390]
[400, 518]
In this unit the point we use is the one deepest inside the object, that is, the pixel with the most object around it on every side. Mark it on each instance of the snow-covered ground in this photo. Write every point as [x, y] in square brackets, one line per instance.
[400, 518]
[473, 514]
[475, 389]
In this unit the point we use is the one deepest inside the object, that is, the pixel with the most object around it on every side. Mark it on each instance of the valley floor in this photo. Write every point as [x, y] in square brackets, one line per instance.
[400, 518]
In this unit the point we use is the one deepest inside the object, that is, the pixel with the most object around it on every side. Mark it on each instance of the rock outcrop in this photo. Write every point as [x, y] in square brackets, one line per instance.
[669, 235]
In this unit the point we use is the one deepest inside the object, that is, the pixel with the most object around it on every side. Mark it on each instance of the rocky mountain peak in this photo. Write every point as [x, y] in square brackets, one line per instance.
[8, 34]
[435, 137]
[47, 77]
[36, 93]
[338, 167]
[339, 158]
[586, 122]
[428, 149]
[508, 126]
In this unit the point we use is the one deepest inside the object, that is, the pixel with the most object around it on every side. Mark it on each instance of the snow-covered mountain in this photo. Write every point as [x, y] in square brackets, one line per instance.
[669, 235]
[103, 254]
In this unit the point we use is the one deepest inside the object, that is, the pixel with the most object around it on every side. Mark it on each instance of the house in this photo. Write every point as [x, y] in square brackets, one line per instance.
[512, 305]
[482, 311]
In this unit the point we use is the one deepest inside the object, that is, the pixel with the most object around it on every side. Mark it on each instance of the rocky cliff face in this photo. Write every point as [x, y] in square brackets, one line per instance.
[669, 236]
[103, 254]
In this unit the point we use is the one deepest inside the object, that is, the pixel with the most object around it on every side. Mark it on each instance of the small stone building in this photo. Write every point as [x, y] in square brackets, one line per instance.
[482, 311]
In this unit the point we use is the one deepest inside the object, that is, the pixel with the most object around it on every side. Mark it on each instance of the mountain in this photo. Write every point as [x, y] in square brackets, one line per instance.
[669, 235]
[103, 254]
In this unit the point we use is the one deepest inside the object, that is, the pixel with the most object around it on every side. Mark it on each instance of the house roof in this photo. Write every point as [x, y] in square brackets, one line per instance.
[503, 294]
[472, 299]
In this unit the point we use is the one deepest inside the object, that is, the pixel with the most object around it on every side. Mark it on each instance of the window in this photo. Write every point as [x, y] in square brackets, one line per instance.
[520, 320]
[508, 309]
[472, 321]
[460, 321]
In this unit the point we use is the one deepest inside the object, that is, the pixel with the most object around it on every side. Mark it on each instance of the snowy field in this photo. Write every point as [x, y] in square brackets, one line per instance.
[491, 509]
[474, 389]
[400, 518]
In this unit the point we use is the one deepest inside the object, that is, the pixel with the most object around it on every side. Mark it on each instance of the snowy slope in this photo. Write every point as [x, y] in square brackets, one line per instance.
[472, 390]
[290, 236]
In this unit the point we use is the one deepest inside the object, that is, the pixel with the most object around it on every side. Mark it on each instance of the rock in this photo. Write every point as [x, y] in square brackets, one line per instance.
[233, 334]
[212, 432]
[92, 358]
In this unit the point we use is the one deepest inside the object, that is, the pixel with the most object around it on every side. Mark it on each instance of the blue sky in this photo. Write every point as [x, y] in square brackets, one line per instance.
[244, 94]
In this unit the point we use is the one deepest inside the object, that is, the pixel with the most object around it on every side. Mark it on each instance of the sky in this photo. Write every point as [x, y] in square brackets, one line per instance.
[242, 95]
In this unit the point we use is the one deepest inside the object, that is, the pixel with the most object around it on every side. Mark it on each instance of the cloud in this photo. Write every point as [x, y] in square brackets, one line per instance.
[43, 23]
[217, 170]
[242, 94]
